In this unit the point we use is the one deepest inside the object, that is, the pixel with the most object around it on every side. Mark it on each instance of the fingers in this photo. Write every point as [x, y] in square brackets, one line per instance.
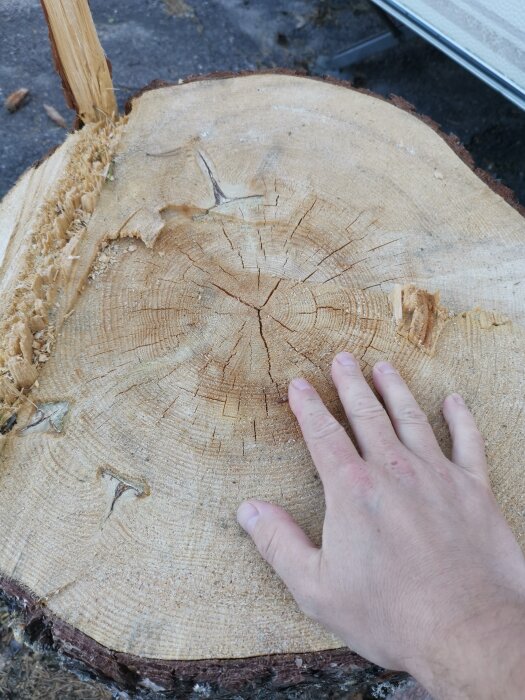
[409, 421]
[332, 450]
[283, 544]
[370, 423]
[468, 446]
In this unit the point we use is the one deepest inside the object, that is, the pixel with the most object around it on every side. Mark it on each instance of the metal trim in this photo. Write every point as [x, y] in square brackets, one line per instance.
[468, 60]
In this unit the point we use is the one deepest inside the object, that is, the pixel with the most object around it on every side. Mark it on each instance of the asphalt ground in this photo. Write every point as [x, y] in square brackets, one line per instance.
[171, 39]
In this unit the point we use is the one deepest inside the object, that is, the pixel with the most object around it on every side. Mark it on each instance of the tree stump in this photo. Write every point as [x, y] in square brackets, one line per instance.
[164, 277]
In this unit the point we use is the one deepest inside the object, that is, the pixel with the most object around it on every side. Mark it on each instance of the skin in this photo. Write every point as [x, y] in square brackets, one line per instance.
[418, 570]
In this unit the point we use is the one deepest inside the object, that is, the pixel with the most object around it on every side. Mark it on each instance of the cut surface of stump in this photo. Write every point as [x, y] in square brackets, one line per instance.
[247, 229]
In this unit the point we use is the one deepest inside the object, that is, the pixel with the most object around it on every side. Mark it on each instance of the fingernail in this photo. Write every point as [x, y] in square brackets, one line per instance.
[346, 359]
[458, 399]
[247, 515]
[385, 368]
[300, 384]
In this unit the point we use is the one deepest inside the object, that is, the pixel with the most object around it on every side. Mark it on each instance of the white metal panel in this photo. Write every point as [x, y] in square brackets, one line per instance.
[486, 36]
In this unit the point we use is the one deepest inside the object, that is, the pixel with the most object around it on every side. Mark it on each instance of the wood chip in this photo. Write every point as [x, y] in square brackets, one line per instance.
[55, 116]
[179, 8]
[16, 99]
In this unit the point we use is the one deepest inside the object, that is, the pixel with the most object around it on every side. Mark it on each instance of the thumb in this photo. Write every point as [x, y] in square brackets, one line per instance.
[281, 542]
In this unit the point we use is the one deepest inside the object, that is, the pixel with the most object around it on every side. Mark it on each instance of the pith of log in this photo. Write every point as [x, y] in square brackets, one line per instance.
[231, 248]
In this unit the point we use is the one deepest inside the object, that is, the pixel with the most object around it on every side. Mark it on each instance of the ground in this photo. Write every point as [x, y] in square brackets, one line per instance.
[171, 39]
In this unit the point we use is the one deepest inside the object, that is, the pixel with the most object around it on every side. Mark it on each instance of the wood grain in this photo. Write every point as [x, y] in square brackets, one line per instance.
[80, 60]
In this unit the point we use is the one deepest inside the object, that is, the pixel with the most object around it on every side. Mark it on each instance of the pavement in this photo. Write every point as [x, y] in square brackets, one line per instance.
[171, 39]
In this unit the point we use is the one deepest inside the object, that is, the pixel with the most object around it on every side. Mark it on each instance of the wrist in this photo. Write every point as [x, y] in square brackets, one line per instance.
[482, 656]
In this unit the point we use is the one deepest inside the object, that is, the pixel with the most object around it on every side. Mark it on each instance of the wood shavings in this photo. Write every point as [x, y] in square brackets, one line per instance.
[50, 254]
[23, 372]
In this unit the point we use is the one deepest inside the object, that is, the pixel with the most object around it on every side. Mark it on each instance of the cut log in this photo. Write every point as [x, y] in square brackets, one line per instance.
[241, 231]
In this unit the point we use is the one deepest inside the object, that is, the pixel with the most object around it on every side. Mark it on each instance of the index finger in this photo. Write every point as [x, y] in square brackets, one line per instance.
[332, 450]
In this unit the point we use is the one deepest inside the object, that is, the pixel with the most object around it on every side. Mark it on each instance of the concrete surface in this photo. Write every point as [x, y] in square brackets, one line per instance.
[170, 39]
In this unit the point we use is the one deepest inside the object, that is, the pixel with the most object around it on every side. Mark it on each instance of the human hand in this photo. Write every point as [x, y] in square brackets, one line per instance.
[418, 570]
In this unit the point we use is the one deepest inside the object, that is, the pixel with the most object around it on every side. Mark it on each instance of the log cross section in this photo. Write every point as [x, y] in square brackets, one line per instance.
[232, 234]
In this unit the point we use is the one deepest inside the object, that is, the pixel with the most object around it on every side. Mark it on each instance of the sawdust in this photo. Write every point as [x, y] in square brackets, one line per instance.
[106, 259]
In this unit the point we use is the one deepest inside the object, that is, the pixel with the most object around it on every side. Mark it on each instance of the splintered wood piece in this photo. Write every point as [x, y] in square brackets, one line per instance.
[55, 115]
[41, 222]
[271, 217]
[418, 315]
[80, 60]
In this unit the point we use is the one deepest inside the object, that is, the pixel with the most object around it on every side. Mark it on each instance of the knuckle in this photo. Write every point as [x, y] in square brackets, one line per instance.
[412, 415]
[391, 453]
[344, 454]
[322, 425]
[361, 479]
[387, 444]
[399, 464]
[268, 544]
[365, 408]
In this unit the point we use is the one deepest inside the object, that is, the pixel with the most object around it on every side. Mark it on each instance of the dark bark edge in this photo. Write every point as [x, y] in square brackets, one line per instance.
[451, 139]
[48, 632]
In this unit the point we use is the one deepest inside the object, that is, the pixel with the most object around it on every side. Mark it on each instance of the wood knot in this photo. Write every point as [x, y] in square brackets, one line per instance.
[48, 417]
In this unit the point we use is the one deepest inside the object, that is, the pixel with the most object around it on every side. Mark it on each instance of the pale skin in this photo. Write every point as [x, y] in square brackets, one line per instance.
[418, 570]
